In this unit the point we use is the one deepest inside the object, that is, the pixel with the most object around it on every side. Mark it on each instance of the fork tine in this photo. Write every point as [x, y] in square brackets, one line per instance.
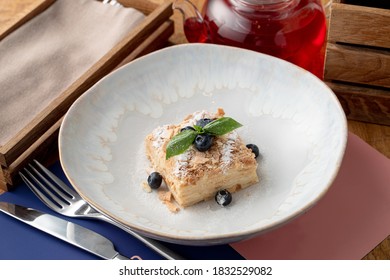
[53, 188]
[39, 194]
[57, 180]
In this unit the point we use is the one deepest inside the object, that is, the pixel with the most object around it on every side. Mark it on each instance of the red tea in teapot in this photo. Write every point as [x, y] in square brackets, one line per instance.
[294, 30]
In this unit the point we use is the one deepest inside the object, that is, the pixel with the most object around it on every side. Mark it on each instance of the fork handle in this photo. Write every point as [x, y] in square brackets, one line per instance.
[151, 243]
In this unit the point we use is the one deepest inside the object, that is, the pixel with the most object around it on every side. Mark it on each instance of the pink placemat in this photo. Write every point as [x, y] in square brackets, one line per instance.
[347, 223]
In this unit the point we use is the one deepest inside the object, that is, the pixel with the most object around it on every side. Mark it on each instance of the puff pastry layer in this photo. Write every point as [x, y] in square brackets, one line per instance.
[196, 176]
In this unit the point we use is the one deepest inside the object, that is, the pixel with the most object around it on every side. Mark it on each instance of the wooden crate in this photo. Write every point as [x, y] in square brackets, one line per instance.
[39, 138]
[357, 65]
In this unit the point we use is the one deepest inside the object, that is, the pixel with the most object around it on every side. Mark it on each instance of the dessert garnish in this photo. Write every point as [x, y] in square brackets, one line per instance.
[201, 135]
[254, 149]
[223, 197]
[154, 180]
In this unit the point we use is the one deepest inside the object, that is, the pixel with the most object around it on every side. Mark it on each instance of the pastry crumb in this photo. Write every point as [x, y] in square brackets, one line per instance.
[172, 206]
[167, 198]
[146, 187]
[164, 195]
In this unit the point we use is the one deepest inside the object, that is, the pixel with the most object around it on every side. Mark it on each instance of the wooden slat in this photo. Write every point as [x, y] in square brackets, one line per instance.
[45, 119]
[363, 103]
[45, 148]
[4, 186]
[358, 65]
[360, 25]
[2, 177]
[155, 41]
[145, 7]
[22, 11]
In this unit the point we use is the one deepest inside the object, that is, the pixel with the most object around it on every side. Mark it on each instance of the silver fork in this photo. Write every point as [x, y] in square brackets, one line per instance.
[59, 197]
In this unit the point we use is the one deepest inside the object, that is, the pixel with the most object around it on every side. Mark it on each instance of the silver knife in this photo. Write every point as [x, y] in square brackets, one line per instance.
[70, 232]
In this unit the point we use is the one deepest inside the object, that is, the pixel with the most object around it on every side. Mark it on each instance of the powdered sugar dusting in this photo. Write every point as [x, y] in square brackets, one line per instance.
[227, 149]
[160, 134]
[182, 162]
[194, 117]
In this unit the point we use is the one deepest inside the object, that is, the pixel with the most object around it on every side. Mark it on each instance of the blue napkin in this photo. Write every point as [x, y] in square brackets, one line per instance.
[19, 241]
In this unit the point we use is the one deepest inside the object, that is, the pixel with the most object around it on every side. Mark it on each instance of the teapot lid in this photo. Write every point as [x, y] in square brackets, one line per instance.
[263, 2]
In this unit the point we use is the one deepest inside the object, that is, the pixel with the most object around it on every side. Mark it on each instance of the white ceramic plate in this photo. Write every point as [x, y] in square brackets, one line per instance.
[292, 116]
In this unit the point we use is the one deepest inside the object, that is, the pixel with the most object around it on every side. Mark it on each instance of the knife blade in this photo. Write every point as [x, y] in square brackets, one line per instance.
[67, 231]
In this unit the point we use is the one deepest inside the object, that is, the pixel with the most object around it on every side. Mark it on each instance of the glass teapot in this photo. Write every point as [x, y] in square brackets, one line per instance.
[293, 30]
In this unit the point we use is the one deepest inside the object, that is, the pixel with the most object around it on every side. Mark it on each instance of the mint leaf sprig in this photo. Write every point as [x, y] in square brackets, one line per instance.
[183, 140]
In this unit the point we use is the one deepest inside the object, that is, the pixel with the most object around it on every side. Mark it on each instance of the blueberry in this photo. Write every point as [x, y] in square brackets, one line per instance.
[223, 197]
[203, 122]
[187, 128]
[154, 180]
[203, 142]
[254, 149]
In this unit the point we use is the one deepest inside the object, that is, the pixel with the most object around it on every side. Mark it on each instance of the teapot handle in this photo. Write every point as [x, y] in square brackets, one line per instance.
[187, 9]
[195, 28]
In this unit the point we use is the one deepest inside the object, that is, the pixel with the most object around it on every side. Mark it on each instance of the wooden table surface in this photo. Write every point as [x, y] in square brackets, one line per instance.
[378, 136]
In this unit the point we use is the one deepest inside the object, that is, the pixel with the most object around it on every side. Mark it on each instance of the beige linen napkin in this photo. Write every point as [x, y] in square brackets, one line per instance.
[46, 55]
